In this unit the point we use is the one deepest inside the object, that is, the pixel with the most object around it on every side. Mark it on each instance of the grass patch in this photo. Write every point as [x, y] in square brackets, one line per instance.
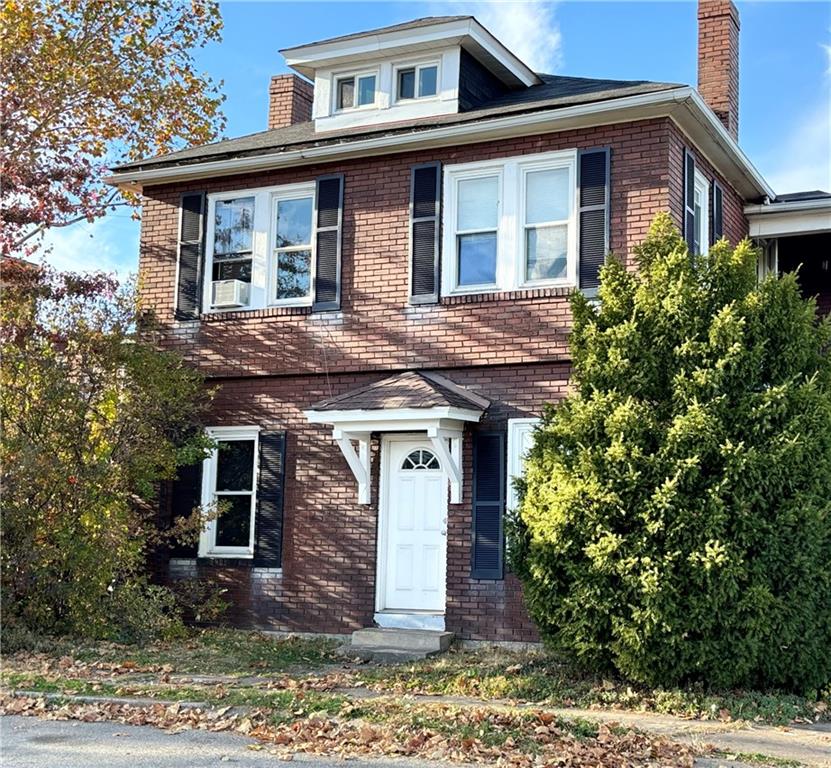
[210, 651]
[484, 673]
[224, 651]
[534, 676]
[765, 761]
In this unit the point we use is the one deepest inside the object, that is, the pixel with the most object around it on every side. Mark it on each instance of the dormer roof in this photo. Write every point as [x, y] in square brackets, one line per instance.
[420, 35]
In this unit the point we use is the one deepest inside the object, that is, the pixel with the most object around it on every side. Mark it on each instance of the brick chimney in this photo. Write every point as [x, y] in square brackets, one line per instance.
[718, 60]
[289, 101]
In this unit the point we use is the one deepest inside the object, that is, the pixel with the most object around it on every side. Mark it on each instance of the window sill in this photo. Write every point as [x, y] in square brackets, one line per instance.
[225, 561]
[520, 293]
[289, 309]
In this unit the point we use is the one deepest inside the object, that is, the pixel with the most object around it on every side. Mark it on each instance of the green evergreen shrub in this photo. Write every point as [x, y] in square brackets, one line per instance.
[675, 522]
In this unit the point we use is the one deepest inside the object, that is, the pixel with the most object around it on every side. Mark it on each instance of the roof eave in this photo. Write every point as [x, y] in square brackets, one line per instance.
[683, 105]
[305, 59]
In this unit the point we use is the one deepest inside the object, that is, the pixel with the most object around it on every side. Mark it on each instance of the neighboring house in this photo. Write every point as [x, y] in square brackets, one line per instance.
[378, 286]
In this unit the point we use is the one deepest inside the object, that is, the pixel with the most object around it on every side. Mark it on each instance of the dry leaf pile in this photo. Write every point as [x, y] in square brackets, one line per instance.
[434, 732]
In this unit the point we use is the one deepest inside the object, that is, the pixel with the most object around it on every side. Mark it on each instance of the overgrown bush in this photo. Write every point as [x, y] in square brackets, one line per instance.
[93, 415]
[200, 601]
[676, 514]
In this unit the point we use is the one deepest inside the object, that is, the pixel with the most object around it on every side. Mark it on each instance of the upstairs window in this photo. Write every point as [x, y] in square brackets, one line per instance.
[510, 224]
[353, 91]
[477, 227]
[233, 239]
[546, 197]
[293, 247]
[261, 248]
[417, 82]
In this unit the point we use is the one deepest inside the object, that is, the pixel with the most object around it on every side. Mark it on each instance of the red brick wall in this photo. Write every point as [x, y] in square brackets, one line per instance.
[376, 328]
[329, 546]
[271, 364]
[735, 222]
[290, 101]
[718, 60]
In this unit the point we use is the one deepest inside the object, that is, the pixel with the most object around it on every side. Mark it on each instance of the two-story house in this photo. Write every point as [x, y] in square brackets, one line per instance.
[377, 286]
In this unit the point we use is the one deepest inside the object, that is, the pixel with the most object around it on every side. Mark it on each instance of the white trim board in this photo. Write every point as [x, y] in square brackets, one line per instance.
[466, 32]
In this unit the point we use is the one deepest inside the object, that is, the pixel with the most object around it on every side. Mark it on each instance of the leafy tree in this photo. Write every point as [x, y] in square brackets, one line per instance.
[92, 417]
[676, 517]
[84, 85]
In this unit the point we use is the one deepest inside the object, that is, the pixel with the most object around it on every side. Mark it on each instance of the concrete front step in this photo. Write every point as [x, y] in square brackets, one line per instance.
[415, 640]
[385, 655]
[395, 645]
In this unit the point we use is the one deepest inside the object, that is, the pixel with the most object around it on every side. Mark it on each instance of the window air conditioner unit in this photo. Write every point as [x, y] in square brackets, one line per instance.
[230, 293]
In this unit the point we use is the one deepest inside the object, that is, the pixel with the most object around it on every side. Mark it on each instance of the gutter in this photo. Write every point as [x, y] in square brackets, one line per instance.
[681, 104]
[788, 206]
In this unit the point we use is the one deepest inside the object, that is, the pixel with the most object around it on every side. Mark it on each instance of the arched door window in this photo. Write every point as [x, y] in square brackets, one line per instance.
[420, 459]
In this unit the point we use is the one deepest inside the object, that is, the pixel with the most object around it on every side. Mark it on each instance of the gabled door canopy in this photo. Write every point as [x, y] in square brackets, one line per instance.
[414, 401]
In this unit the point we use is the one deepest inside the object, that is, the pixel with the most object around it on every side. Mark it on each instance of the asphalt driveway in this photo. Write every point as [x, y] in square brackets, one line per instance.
[29, 742]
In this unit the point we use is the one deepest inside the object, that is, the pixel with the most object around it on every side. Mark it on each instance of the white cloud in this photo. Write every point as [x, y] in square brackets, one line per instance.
[529, 29]
[110, 244]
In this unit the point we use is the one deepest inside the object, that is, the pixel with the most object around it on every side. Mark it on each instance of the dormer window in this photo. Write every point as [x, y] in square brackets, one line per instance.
[355, 91]
[417, 82]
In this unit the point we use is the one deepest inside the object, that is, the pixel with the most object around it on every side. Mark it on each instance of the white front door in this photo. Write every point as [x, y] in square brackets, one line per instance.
[413, 545]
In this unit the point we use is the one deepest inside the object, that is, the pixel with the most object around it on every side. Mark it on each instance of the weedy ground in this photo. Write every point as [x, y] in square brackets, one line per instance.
[294, 694]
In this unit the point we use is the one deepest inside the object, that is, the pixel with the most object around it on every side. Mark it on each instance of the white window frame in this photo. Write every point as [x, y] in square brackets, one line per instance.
[209, 243]
[517, 430]
[510, 256]
[570, 221]
[416, 65]
[263, 287]
[291, 192]
[451, 265]
[702, 187]
[356, 76]
[207, 538]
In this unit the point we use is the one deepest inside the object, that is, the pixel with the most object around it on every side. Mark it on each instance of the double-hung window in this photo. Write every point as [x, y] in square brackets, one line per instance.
[477, 229]
[233, 237]
[546, 195]
[701, 208]
[264, 240]
[292, 257]
[229, 483]
[510, 224]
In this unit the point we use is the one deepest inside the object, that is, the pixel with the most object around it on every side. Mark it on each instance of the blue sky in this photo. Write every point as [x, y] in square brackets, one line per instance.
[785, 87]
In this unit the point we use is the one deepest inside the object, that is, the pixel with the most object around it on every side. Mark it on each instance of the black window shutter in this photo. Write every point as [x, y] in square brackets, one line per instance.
[718, 213]
[328, 229]
[488, 505]
[425, 202]
[191, 245]
[185, 496]
[593, 208]
[268, 526]
[690, 234]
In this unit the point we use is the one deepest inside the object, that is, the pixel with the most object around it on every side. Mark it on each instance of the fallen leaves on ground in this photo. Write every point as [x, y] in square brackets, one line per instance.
[435, 732]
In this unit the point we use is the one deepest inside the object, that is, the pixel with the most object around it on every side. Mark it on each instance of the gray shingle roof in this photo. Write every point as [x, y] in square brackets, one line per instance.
[555, 92]
[814, 194]
[426, 21]
[411, 389]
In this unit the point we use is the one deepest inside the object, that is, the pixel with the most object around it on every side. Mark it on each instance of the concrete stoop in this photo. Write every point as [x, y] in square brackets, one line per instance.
[395, 645]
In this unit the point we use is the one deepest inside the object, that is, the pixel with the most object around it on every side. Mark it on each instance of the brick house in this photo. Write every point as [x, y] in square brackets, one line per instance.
[377, 286]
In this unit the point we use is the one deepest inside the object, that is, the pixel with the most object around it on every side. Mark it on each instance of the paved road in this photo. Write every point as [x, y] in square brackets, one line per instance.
[28, 742]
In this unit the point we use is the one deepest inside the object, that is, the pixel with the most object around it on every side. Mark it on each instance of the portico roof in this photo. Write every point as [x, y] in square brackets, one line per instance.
[410, 389]
[412, 401]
